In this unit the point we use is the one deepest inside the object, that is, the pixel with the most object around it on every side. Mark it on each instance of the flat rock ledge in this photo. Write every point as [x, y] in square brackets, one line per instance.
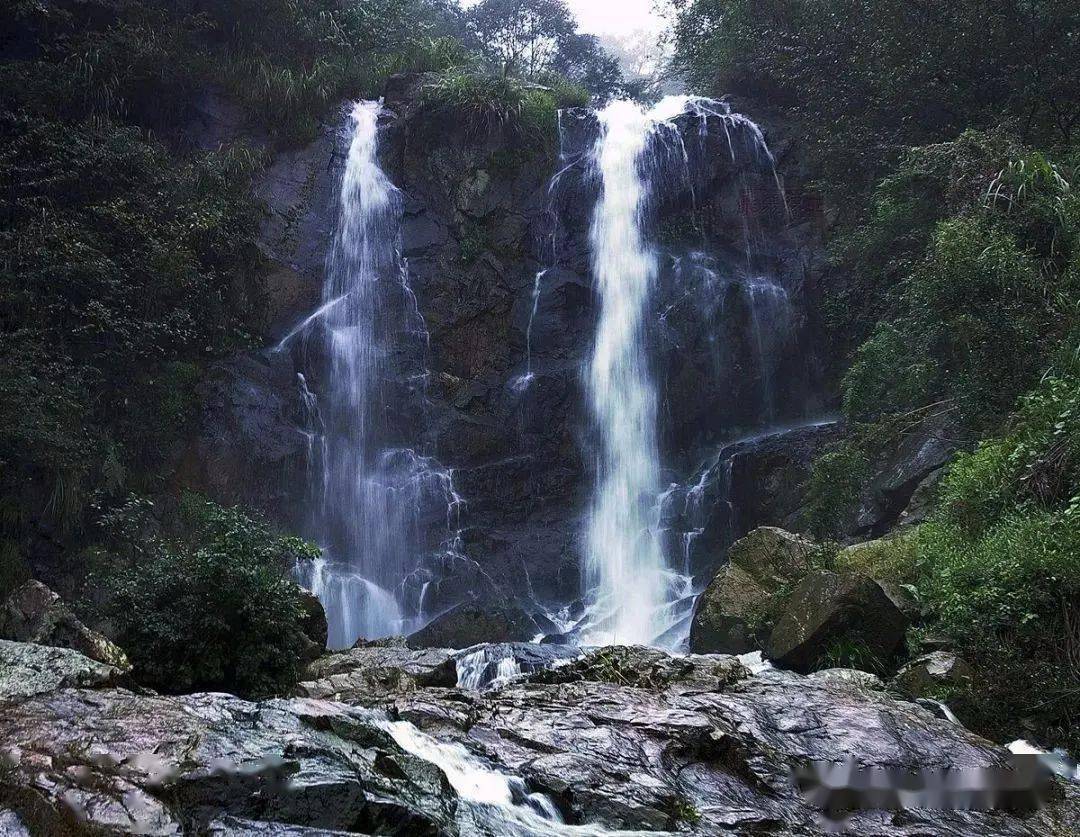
[623, 739]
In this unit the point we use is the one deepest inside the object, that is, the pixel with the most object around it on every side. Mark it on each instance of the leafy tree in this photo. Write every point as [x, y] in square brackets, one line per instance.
[211, 610]
[538, 40]
[522, 37]
[583, 60]
[869, 78]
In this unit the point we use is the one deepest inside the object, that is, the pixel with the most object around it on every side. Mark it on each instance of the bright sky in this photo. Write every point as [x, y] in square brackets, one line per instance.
[615, 17]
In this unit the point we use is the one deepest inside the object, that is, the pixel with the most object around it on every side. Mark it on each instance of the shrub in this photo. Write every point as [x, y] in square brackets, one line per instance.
[1009, 599]
[1036, 465]
[835, 484]
[1000, 566]
[890, 373]
[488, 103]
[213, 609]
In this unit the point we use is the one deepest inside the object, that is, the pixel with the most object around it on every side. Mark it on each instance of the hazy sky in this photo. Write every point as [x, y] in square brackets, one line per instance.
[615, 17]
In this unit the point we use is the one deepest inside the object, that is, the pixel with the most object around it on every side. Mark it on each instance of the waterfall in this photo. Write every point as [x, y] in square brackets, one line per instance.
[638, 582]
[374, 501]
[625, 569]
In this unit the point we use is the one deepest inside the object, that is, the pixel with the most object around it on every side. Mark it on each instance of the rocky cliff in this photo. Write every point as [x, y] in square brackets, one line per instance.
[495, 233]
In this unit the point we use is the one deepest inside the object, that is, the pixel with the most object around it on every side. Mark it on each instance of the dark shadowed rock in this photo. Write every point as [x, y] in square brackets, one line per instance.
[471, 624]
[34, 613]
[250, 447]
[314, 624]
[897, 476]
[846, 617]
[933, 675]
[923, 500]
[27, 669]
[738, 608]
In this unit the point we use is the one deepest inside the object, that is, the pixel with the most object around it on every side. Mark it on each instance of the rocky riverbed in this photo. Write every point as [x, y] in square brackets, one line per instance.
[382, 740]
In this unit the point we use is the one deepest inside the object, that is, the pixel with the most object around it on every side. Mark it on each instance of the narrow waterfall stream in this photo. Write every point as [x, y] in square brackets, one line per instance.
[372, 499]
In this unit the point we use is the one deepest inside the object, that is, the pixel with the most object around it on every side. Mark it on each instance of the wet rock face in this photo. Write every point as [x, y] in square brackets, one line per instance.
[623, 738]
[27, 669]
[501, 406]
[250, 448]
[365, 675]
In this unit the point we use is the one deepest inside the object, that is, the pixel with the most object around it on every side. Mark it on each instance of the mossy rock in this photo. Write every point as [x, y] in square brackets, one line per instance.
[738, 608]
[832, 619]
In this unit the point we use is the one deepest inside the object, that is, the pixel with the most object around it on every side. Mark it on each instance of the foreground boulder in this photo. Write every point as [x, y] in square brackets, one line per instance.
[933, 675]
[737, 610]
[34, 613]
[839, 619]
[369, 673]
[621, 739]
[28, 669]
[471, 624]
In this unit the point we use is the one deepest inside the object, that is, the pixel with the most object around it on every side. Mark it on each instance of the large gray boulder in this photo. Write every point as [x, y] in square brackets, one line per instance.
[369, 674]
[472, 624]
[34, 613]
[126, 763]
[839, 619]
[933, 675]
[737, 610]
[28, 669]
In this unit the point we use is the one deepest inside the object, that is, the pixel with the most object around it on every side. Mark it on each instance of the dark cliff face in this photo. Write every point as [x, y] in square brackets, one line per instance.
[731, 332]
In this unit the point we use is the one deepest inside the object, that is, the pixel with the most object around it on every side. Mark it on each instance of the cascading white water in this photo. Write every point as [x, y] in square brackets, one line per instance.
[625, 569]
[373, 501]
[639, 589]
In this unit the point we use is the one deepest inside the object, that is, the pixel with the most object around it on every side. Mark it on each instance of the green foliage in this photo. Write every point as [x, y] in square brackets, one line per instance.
[537, 40]
[865, 80]
[885, 377]
[684, 811]
[1000, 565]
[1036, 466]
[121, 266]
[1009, 599]
[834, 487]
[488, 103]
[980, 288]
[214, 609]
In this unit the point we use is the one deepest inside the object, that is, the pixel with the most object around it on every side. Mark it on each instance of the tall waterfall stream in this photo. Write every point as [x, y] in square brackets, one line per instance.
[370, 498]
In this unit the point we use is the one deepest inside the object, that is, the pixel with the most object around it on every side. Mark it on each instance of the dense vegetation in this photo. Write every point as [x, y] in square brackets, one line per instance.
[209, 608]
[946, 136]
